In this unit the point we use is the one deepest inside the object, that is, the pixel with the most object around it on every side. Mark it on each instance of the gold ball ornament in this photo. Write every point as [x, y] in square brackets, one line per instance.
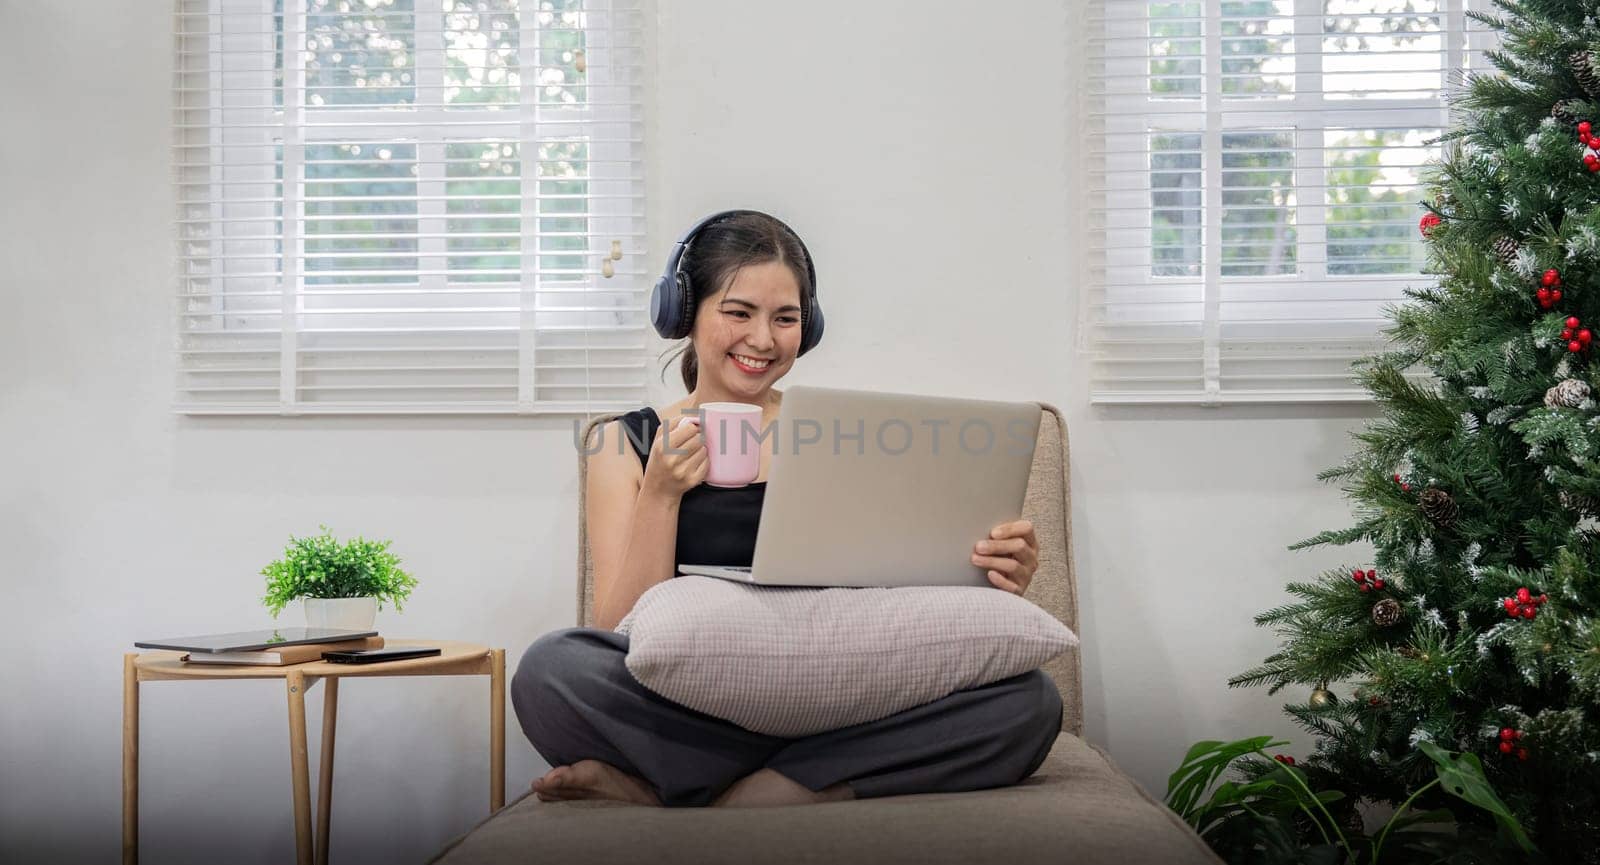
[606, 270]
[580, 61]
[1322, 697]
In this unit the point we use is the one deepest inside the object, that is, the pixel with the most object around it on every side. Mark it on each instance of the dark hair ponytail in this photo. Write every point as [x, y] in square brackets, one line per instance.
[689, 367]
[717, 253]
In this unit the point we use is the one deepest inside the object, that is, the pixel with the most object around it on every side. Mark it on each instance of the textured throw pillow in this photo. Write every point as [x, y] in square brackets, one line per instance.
[797, 661]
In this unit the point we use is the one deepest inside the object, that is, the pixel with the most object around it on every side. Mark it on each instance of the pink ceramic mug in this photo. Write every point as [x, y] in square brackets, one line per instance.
[733, 446]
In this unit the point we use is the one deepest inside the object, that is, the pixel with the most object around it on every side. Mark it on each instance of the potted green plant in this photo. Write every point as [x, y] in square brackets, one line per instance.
[1278, 814]
[343, 585]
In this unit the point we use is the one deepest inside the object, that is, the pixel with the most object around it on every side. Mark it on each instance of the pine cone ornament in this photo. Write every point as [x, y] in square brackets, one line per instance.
[1386, 612]
[1353, 822]
[1565, 112]
[1569, 393]
[1583, 69]
[1409, 652]
[1505, 249]
[1438, 507]
[1578, 502]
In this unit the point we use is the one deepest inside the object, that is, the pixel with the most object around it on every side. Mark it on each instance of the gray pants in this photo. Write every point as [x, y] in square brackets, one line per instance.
[576, 701]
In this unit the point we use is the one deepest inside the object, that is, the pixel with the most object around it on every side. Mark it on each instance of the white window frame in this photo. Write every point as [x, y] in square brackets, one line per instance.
[231, 222]
[1311, 356]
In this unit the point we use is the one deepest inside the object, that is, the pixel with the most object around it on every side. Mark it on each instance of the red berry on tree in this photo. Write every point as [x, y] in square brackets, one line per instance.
[1405, 488]
[1555, 293]
[1543, 295]
[1573, 322]
[1544, 598]
[1516, 734]
[1366, 587]
[1377, 584]
[1371, 573]
[1359, 577]
[1522, 595]
[1584, 336]
[1574, 346]
[1511, 606]
[1527, 612]
[1566, 333]
[1505, 747]
[1522, 753]
[1551, 277]
[1506, 733]
[1583, 128]
[1427, 222]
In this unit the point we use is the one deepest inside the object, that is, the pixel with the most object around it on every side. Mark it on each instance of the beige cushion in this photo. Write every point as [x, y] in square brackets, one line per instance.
[797, 661]
[1077, 809]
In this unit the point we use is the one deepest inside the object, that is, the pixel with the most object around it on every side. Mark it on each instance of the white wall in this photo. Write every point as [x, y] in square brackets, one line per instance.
[936, 198]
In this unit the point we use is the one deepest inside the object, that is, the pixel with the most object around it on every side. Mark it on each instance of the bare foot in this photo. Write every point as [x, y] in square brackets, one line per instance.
[592, 779]
[765, 788]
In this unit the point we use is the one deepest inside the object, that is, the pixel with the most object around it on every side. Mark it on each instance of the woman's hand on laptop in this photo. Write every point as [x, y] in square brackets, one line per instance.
[1011, 553]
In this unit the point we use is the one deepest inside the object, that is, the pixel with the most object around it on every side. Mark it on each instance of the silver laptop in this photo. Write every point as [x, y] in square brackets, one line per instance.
[885, 489]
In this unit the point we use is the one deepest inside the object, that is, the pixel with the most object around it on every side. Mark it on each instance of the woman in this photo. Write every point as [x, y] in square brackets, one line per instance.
[750, 286]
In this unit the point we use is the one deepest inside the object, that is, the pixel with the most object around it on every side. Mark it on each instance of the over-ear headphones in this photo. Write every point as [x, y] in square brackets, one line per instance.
[672, 303]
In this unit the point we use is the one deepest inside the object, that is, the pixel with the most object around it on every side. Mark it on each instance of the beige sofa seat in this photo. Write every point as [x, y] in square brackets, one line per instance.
[1077, 808]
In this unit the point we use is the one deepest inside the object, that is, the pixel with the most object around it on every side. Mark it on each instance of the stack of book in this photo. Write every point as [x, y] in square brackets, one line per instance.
[274, 648]
[286, 655]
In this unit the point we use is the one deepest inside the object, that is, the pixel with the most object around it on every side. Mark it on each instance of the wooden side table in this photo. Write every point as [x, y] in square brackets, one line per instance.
[454, 659]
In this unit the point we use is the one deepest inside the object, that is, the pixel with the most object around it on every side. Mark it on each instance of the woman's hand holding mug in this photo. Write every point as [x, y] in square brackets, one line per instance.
[678, 460]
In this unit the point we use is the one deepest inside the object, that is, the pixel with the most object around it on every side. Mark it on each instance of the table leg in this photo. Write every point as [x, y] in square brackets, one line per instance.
[330, 712]
[497, 729]
[297, 766]
[130, 759]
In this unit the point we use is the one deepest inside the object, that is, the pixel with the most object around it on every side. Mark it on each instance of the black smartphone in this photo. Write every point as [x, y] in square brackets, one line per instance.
[373, 656]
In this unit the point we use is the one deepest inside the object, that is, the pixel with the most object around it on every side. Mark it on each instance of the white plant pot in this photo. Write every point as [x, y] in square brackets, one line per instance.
[356, 614]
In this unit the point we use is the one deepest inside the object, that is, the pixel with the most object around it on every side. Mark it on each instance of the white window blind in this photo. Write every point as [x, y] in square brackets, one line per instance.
[409, 206]
[1253, 172]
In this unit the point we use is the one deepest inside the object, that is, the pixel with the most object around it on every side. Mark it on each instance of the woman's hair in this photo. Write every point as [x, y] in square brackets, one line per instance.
[717, 253]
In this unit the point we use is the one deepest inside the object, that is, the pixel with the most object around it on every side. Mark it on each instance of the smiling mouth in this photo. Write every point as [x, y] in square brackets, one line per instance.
[750, 364]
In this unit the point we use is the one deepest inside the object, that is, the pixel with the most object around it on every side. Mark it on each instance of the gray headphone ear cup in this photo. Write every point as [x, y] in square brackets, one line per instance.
[670, 311]
[685, 306]
[661, 306]
[814, 326]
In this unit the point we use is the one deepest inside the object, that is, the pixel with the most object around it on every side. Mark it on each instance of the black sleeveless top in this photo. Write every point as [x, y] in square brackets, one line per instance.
[716, 526]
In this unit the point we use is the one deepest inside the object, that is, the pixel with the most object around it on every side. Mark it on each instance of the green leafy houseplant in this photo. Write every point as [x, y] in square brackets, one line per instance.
[1274, 816]
[322, 567]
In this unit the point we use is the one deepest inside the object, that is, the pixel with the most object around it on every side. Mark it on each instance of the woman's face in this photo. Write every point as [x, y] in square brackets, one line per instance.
[747, 336]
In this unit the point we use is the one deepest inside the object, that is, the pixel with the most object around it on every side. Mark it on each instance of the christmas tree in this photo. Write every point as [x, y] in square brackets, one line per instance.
[1478, 485]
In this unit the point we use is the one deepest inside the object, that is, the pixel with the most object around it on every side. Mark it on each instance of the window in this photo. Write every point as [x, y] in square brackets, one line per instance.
[1254, 172]
[409, 206]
